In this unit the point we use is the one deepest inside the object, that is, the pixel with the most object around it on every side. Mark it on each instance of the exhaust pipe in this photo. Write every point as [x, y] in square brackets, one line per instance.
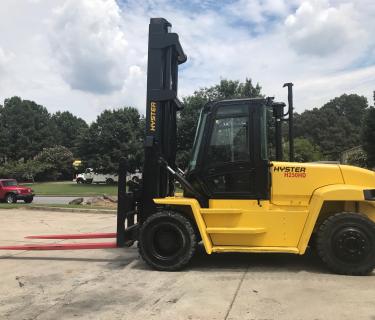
[290, 120]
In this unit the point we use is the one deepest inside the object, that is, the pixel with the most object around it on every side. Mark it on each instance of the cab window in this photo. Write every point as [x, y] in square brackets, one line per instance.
[228, 154]
[229, 141]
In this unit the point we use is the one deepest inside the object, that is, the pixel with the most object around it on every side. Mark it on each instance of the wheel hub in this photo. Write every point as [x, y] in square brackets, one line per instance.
[167, 241]
[351, 245]
[10, 199]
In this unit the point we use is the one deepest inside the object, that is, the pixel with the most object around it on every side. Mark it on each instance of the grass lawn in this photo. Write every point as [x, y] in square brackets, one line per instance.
[11, 206]
[69, 188]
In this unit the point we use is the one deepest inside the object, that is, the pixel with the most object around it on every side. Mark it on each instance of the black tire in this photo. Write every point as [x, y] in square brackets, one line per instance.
[346, 243]
[10, 198]
[79, 181]
[109, 181]
[29, 200]
[167, 241]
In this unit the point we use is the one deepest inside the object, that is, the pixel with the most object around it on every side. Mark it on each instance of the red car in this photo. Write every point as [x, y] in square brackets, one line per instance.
[10, 192]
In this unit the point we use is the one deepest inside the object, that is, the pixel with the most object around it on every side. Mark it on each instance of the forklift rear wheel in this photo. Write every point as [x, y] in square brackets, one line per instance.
[346, 243]
[167, 241]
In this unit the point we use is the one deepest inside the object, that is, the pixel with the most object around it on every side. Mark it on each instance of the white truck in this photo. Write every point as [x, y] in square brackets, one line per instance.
[89, 176]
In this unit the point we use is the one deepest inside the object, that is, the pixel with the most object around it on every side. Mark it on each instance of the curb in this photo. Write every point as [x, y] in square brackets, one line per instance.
[76, 210]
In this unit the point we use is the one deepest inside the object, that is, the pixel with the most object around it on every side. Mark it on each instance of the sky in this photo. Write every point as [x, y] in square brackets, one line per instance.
[85, 56]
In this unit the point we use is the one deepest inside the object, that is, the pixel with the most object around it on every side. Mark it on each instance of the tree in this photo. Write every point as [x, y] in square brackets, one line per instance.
[21, 170]
[69, 128]
[3, 134]
[334, 127]
[49, 164]
[368, 136]
[358, 158]
[188, 118]
[57, 161]
[25, 129]
[114, 134]
[304, 151]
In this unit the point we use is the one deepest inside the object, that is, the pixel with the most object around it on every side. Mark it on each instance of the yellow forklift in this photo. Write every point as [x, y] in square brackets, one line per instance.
[234, 198]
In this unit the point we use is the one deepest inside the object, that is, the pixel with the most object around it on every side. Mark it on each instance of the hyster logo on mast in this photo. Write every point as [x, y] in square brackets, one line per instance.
[153, 116]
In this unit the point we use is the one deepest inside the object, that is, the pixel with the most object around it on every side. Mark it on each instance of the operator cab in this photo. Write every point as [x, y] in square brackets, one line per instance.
[229, 156]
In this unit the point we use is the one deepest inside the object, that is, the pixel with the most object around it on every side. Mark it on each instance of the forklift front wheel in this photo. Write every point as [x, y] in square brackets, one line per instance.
[167, 241]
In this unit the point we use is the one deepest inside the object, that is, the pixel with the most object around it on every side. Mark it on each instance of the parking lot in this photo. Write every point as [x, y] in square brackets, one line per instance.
[116, 284]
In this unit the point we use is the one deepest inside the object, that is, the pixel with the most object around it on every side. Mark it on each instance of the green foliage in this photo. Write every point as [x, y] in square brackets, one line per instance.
[114, 134]
[68, 129]
[358, 158]
[368, 136]
[23, 170]
[58, 161]
[29, 134]
[25, 129]
[3, 145]
[229, 89]
[335, 127]
[304, 151]
[188, 118]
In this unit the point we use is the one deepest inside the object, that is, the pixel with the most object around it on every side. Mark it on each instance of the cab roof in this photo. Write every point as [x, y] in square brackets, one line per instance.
[258, 100]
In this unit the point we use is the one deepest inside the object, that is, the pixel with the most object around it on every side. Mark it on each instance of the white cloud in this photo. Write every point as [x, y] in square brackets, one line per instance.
[88, 41]
[5, 59]
[258, 11]
[88, 55]
[317, 28]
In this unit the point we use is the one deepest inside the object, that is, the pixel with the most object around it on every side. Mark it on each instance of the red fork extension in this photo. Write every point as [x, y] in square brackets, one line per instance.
[61, 246]
[67, 246]
[75, 236]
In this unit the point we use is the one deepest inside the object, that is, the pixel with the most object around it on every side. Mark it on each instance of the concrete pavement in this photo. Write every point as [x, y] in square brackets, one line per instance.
[54, 200]
[116, 284]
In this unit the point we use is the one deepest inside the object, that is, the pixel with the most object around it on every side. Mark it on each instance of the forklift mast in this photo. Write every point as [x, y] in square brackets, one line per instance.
[164, 55]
